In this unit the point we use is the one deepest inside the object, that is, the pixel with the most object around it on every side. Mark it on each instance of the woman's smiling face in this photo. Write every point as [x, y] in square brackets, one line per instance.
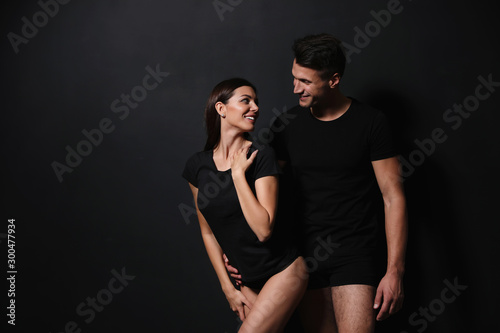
[241, 110]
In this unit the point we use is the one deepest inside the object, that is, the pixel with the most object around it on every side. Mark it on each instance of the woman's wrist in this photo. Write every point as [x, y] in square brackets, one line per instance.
[237, 174]
[228, 288]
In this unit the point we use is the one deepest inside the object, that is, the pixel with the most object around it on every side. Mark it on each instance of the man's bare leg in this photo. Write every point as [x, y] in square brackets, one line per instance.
[316, 311]
[353, 306]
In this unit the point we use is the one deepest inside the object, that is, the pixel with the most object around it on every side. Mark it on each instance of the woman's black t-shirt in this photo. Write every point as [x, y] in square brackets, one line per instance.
[219, 204]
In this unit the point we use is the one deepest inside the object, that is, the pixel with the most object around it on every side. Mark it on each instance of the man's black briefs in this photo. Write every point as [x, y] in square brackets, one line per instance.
[345, 270]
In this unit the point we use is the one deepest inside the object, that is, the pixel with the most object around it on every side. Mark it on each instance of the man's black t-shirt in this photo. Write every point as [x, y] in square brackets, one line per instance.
[335, 187]
[219, 204]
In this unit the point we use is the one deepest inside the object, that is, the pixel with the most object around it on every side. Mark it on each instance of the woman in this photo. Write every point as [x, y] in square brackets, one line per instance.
[235, 188]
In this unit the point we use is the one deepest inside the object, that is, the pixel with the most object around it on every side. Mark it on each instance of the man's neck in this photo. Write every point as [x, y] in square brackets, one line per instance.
[333, 108]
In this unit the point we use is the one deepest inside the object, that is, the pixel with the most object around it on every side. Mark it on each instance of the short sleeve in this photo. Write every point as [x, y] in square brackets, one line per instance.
[190, 172]
[278, 142]
[381, 140]
[266, 163]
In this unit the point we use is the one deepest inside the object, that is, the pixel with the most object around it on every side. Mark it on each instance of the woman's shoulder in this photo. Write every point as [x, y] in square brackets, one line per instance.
[193, 164]
[199, 158]
[265, 163]
[265, 150]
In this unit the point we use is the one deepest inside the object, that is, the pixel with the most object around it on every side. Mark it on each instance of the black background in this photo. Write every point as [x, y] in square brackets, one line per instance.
[119, 208]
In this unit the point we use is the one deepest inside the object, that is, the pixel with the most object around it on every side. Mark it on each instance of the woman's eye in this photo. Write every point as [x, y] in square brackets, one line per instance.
[245, 100]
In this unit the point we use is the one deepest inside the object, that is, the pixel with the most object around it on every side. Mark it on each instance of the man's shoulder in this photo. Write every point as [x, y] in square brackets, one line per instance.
[366, 110]
[365, 107]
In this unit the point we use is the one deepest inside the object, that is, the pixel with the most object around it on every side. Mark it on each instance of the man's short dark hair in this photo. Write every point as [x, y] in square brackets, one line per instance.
[321, 52]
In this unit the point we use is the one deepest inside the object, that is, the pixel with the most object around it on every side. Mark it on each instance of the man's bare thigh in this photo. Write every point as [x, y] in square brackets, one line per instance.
[353, 308]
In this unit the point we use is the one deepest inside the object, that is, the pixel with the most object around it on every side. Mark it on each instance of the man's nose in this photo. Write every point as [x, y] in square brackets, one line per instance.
[297, 87]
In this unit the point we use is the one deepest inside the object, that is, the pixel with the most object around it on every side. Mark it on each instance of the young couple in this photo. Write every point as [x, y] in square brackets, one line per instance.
[341, 157]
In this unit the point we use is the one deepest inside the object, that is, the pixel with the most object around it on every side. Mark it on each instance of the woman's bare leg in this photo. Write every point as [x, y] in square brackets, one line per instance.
[251, 294]
[277, 300]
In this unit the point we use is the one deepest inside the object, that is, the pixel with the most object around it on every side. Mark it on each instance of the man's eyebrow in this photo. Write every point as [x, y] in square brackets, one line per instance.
[299, 78]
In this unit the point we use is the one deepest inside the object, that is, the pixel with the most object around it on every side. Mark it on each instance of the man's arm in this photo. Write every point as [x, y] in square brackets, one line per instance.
[389, 297]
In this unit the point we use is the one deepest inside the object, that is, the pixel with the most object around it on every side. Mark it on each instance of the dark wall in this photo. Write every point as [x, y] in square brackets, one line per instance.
[105, 237]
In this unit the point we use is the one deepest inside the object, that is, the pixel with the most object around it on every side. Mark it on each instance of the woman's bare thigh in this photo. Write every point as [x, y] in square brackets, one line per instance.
[276, 301]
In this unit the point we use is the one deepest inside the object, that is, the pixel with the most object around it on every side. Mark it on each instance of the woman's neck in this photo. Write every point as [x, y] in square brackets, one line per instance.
[228, 144]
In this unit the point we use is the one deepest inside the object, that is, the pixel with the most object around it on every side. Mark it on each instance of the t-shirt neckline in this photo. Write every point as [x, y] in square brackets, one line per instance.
[336, 120]
[215, 165]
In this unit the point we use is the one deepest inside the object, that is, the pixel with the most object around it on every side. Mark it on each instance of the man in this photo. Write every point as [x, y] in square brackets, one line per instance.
[337, 151]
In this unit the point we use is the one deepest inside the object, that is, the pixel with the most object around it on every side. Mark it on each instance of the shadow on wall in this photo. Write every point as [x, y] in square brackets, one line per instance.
[432, 243]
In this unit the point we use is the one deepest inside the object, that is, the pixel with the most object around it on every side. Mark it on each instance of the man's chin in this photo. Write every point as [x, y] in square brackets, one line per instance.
[304, 104]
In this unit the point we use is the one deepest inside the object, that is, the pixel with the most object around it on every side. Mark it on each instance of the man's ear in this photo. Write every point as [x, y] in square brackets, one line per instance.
[334, 80]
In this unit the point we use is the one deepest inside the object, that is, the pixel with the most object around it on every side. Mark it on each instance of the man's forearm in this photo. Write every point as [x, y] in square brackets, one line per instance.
[396, 229]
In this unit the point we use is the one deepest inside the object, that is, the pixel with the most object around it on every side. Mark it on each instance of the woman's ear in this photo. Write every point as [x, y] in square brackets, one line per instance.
[221, 109]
